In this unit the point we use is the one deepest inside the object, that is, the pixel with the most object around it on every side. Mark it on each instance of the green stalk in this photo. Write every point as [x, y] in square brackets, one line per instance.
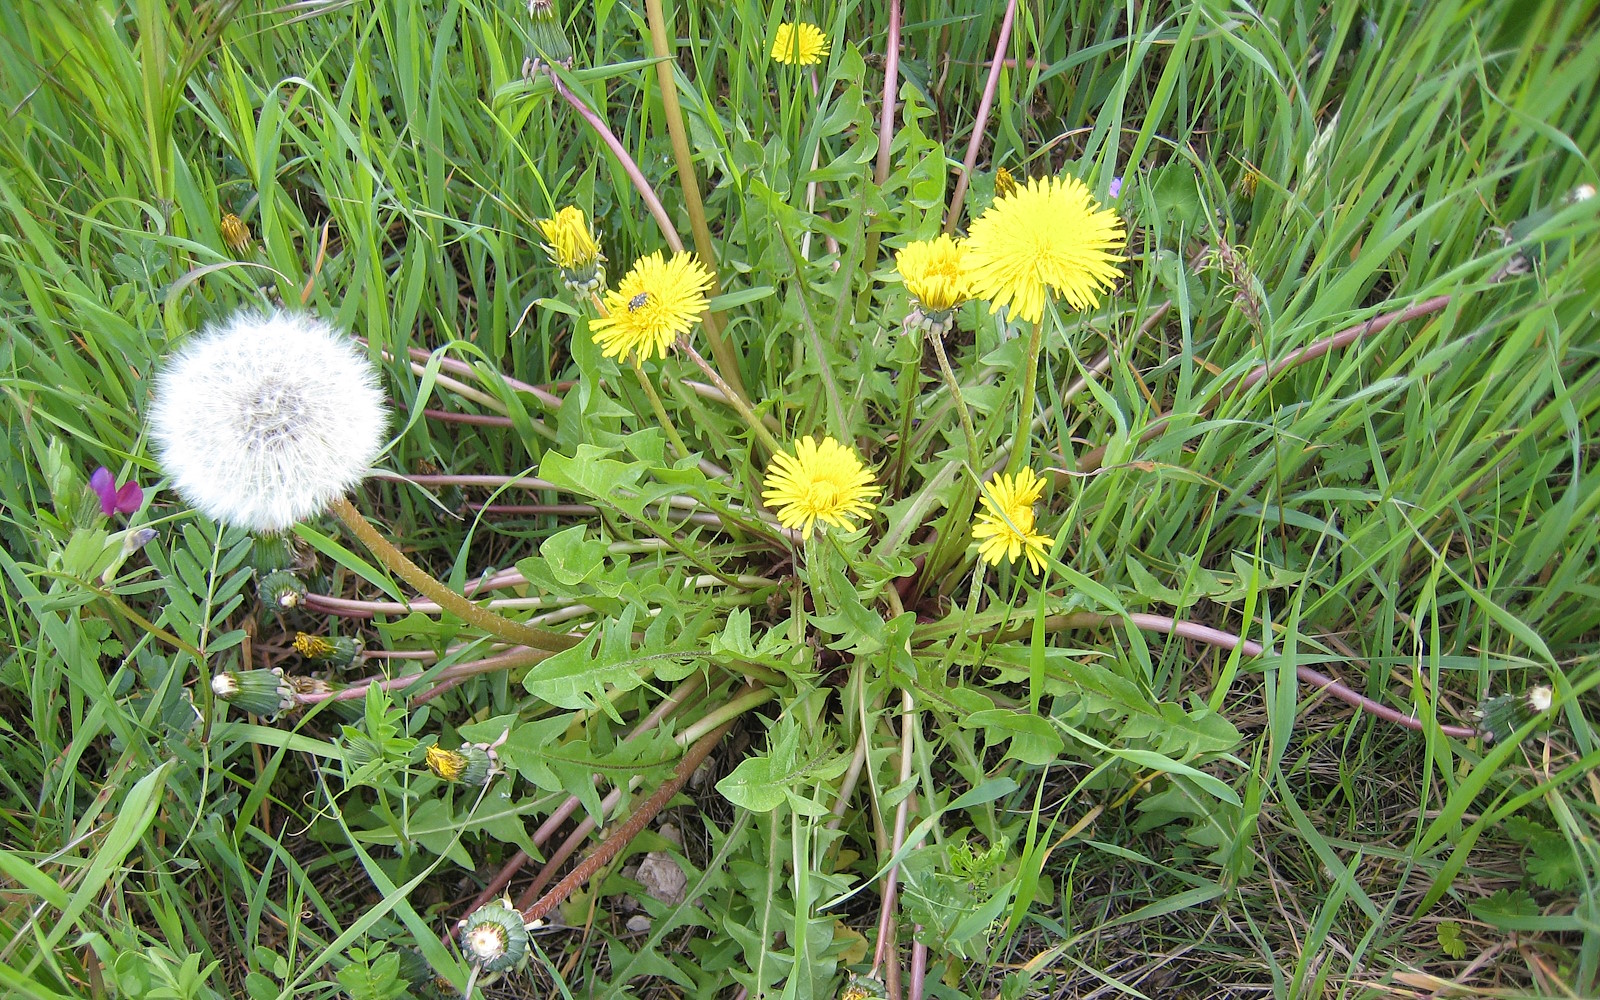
[733, 399]
[910, 381]
[661, 47]
[1024, 439]
[955, 392]
[660, 411]
[410, 572]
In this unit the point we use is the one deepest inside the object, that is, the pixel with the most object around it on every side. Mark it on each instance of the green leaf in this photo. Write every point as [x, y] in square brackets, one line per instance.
[1449, 937]
[1033, 739]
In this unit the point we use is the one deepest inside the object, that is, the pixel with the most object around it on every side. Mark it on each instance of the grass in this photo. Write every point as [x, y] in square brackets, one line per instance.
[1065, 805]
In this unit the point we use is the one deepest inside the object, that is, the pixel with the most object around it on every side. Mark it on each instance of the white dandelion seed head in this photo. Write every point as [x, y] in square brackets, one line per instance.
[266, 418]
[1541, 698]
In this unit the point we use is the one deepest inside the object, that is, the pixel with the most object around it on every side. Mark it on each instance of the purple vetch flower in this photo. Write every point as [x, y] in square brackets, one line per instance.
[124, 499]
[1116, 187]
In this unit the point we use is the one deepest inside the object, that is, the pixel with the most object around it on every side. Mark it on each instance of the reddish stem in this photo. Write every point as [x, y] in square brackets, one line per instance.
[982, 121]
[623, 835]
[668, 232]
[1227, 640]
[477, 419]
[547, 829]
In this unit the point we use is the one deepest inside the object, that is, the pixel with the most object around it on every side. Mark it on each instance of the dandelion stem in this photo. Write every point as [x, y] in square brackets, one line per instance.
[1223, 640]
[880, 168]
[625, 833]
[661, 46]
[508, 660]
[732, 398]
[1024, 439]
[959, 197]
[955, 391]
[891, 880]
[660, 411]
[629, 166]
[910, 382]
[446, 598]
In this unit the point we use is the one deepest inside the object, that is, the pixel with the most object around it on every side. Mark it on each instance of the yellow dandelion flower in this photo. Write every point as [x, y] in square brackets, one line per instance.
[655, 302]
[819, 482]
[935, 273]
[1005, 526]
[573, 248]
[799, 44]
[1048, 234]
[312, 647]
[448, 765]
[235, 233]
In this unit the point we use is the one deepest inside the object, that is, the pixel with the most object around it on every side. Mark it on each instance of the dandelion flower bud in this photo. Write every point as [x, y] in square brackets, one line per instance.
[494, 937]
[265, 419]
[259, 692]
[281, 591]
[474, 764]
[934, 272]
[337, 651]
[1004, 183]
[270, 553]
[575, 249]
[1501, 716]
[547, 42]
[235, 233]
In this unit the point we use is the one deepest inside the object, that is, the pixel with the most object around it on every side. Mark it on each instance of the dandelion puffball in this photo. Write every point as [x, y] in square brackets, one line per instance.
[265, 419]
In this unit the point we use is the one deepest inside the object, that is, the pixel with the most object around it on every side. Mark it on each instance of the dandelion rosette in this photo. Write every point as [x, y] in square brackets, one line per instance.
[935, 273]
[1047, 235]
[265, 419]
[799, 44]
[1004, 528]
[653, 304]
[819, 482]
[574, 248]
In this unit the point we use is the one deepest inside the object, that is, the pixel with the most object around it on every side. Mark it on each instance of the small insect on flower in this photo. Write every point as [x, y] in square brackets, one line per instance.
[799, 44]
[575, 249]
[1048, 235]
[1005, 526]
[819, 482]
[265, 419]
[654, 303]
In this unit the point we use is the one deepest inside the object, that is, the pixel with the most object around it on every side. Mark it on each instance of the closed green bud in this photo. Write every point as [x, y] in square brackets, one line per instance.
[258, 692]
[494, 937]
[336, 651]
[281, 591]
[270, 553]
[547, 42]
[1502, 716]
